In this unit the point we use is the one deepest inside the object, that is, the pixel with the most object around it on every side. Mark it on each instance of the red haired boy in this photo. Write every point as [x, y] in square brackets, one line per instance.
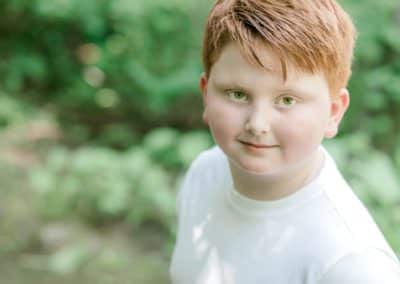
[268, 204]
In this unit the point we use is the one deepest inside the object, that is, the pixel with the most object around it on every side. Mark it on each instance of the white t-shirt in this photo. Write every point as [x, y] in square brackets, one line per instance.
[321, 234]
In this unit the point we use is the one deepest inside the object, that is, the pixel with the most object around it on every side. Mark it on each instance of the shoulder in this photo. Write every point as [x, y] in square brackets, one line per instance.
[371, 266]
[210, 168]
[209, 155]
[208, 162]
[342, 231]
[346, 215]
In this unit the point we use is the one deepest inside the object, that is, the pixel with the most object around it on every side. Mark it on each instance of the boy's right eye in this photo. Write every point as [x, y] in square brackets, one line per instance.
[237, 96]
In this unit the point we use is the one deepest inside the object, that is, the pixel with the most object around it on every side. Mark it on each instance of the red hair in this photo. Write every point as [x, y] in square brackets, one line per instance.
[310, 35]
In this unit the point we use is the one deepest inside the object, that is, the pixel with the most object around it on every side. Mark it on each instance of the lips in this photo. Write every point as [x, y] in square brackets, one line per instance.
[259, 146]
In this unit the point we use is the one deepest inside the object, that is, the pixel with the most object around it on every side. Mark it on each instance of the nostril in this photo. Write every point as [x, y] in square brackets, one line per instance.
[257, 128]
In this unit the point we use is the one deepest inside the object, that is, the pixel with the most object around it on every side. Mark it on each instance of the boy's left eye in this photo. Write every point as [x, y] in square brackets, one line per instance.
[286, 101]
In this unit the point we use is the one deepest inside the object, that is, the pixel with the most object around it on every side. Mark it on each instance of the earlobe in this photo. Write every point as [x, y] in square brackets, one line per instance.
[203, 83]
[203, 89]
[339, 105]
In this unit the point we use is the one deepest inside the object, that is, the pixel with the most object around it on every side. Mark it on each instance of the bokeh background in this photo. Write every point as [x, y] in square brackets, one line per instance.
[100, 114]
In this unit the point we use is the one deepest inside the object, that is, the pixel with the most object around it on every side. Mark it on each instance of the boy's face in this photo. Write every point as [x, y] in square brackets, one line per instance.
[266, 125]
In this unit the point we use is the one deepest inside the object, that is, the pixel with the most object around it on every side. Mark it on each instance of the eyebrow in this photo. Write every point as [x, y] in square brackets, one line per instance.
[238, 86]
[232, 85]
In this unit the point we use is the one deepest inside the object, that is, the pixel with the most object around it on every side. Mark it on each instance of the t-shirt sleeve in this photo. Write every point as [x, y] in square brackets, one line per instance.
[182, 189]
[369, 267]
[193, 175]
[185, 187]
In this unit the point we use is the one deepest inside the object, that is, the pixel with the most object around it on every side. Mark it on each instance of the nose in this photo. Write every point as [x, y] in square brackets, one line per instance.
[258, 122]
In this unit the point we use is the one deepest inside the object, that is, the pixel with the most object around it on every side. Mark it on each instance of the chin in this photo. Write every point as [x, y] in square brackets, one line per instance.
[262, 172]
[256, 169]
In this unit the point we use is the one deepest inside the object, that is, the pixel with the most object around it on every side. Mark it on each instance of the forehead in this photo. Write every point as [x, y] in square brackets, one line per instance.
[232, 53]
[232, 67]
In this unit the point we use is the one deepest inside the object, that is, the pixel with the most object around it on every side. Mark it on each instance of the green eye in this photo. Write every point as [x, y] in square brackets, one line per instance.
[237, 96]
[287, 101]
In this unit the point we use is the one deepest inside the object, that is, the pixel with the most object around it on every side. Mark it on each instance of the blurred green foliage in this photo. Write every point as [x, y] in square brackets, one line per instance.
[375, 88]
[102, 62]
[101, 184]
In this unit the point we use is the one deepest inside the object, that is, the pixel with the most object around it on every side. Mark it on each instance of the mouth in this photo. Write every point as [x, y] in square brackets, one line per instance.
[257, 146]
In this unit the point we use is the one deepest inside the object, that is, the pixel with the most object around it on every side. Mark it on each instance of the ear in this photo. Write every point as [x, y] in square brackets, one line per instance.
[203, 87]
[339, 105]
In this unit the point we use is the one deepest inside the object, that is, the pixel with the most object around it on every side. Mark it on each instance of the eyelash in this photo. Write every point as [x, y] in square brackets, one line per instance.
[277, 101]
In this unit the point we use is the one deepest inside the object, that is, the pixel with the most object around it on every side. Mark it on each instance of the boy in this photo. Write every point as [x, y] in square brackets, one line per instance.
[268, 205]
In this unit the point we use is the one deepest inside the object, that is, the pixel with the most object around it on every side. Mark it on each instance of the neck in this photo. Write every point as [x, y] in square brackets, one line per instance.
[268, 187]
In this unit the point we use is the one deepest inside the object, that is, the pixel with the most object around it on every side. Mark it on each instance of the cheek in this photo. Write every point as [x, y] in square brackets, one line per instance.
[303, 131]
[223, 119]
